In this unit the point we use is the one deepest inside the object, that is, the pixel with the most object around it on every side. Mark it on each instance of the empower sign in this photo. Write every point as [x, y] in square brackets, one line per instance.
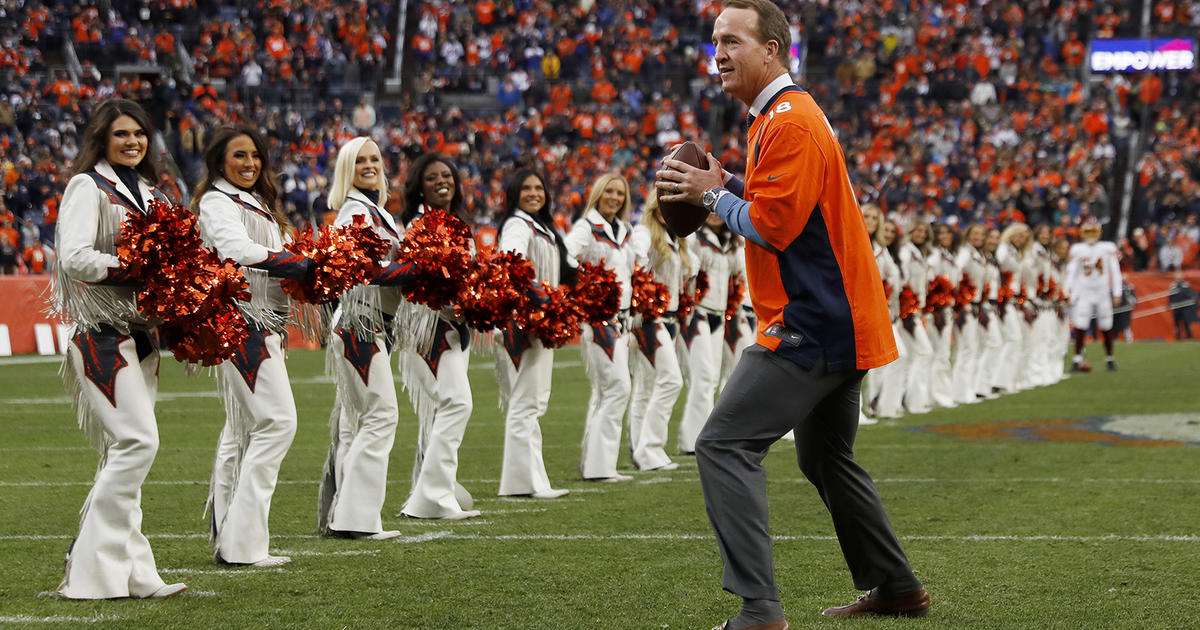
[1142, 55]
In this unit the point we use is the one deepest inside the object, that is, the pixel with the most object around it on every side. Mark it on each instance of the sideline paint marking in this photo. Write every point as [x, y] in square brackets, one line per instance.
[449, 535]
[66, 400]
[424, 522]
[32, 619]
[246, 571]
[30, 360]
[306, 552]
[424, 537]
[665, 479]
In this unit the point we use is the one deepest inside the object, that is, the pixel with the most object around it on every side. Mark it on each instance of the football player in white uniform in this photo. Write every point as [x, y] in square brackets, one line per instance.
[1093, 287]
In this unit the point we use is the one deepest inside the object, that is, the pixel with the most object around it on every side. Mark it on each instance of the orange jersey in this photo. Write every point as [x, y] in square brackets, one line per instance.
[817, 280]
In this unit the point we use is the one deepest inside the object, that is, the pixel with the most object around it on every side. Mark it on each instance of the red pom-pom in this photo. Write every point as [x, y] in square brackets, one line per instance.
[184, 284]
[686, 304]
[887, 290]
[596, 294]
[496, 288]
[555, 322]
[737, 294]
[1005, 292]
[940, 294]
[650, 298]
[346, 256]
[908, 302]
[701, 286]
[439, 246]
[965, 294]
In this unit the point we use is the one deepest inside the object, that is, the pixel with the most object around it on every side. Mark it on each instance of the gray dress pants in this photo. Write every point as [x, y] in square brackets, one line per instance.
[766, 397]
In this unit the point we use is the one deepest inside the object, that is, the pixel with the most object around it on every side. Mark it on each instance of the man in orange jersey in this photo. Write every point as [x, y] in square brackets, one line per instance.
[823, 321]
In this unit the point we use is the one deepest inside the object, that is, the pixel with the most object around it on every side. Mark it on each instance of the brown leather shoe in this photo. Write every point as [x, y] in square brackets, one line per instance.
[772, 625]
[914, 604]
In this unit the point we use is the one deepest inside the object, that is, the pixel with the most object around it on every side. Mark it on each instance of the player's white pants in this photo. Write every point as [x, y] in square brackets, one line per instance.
[992, 342]
[892, 379]
[1008, 362]
[704, 369]
[920, 358]
[655, 388]
[524, 470]
[110, 556]
[941, 390]
[608, 372]
[366, 417]
[967, 348]
[1086, 305]
[259, 427]
[443, 404]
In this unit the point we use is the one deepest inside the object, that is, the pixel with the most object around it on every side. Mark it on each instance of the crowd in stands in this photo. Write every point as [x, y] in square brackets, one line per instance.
[948, 111]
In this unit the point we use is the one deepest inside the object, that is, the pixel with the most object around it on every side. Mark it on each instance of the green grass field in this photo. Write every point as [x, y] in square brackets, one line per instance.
[1083, 528]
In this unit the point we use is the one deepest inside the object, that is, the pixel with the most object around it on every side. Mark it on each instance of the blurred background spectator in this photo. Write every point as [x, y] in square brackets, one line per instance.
[948, 111]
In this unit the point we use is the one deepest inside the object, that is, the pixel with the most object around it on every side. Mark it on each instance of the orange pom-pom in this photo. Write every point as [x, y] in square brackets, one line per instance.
[439, 246]
[737, 294]
[346, 256]
[650, 298]
[184, 284]
[596, 294]
[496, 287]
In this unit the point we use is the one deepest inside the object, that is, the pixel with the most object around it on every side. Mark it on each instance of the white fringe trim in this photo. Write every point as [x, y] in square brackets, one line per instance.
[415, 325]
[505, 372]
[544, 257]
[238, 420]
[329, 486]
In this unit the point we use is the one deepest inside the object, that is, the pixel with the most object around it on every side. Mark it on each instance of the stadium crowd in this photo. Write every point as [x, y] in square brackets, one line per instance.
[948, 112]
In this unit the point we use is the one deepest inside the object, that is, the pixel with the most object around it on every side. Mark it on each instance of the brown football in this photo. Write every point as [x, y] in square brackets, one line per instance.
[683, 218]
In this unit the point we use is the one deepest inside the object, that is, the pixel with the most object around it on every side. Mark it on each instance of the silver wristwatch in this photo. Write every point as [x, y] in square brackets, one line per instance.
[710, 197]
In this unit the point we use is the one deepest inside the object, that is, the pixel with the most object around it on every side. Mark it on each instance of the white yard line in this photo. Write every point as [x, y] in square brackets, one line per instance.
[228, 572]
[451, 535]
[307, 552]
[434, 522]
[57, 619]
[30, 360]
[655, 480]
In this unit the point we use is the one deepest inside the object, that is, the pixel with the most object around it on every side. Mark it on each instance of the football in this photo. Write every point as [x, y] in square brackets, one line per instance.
[683, 218]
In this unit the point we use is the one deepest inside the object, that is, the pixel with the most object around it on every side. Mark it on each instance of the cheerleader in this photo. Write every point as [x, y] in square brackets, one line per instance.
[601, 237]
[357, 353]
[972, 269]
[712, 246]
[990, 321]
[111, 364]
[740, 328]
[1009, 374]
[886, 385]
[1061, 330]
[1038, 269]
[657, 379]
[939, 322]
[240, 218]
[524, 372]
[914, 271]
[434, 366]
